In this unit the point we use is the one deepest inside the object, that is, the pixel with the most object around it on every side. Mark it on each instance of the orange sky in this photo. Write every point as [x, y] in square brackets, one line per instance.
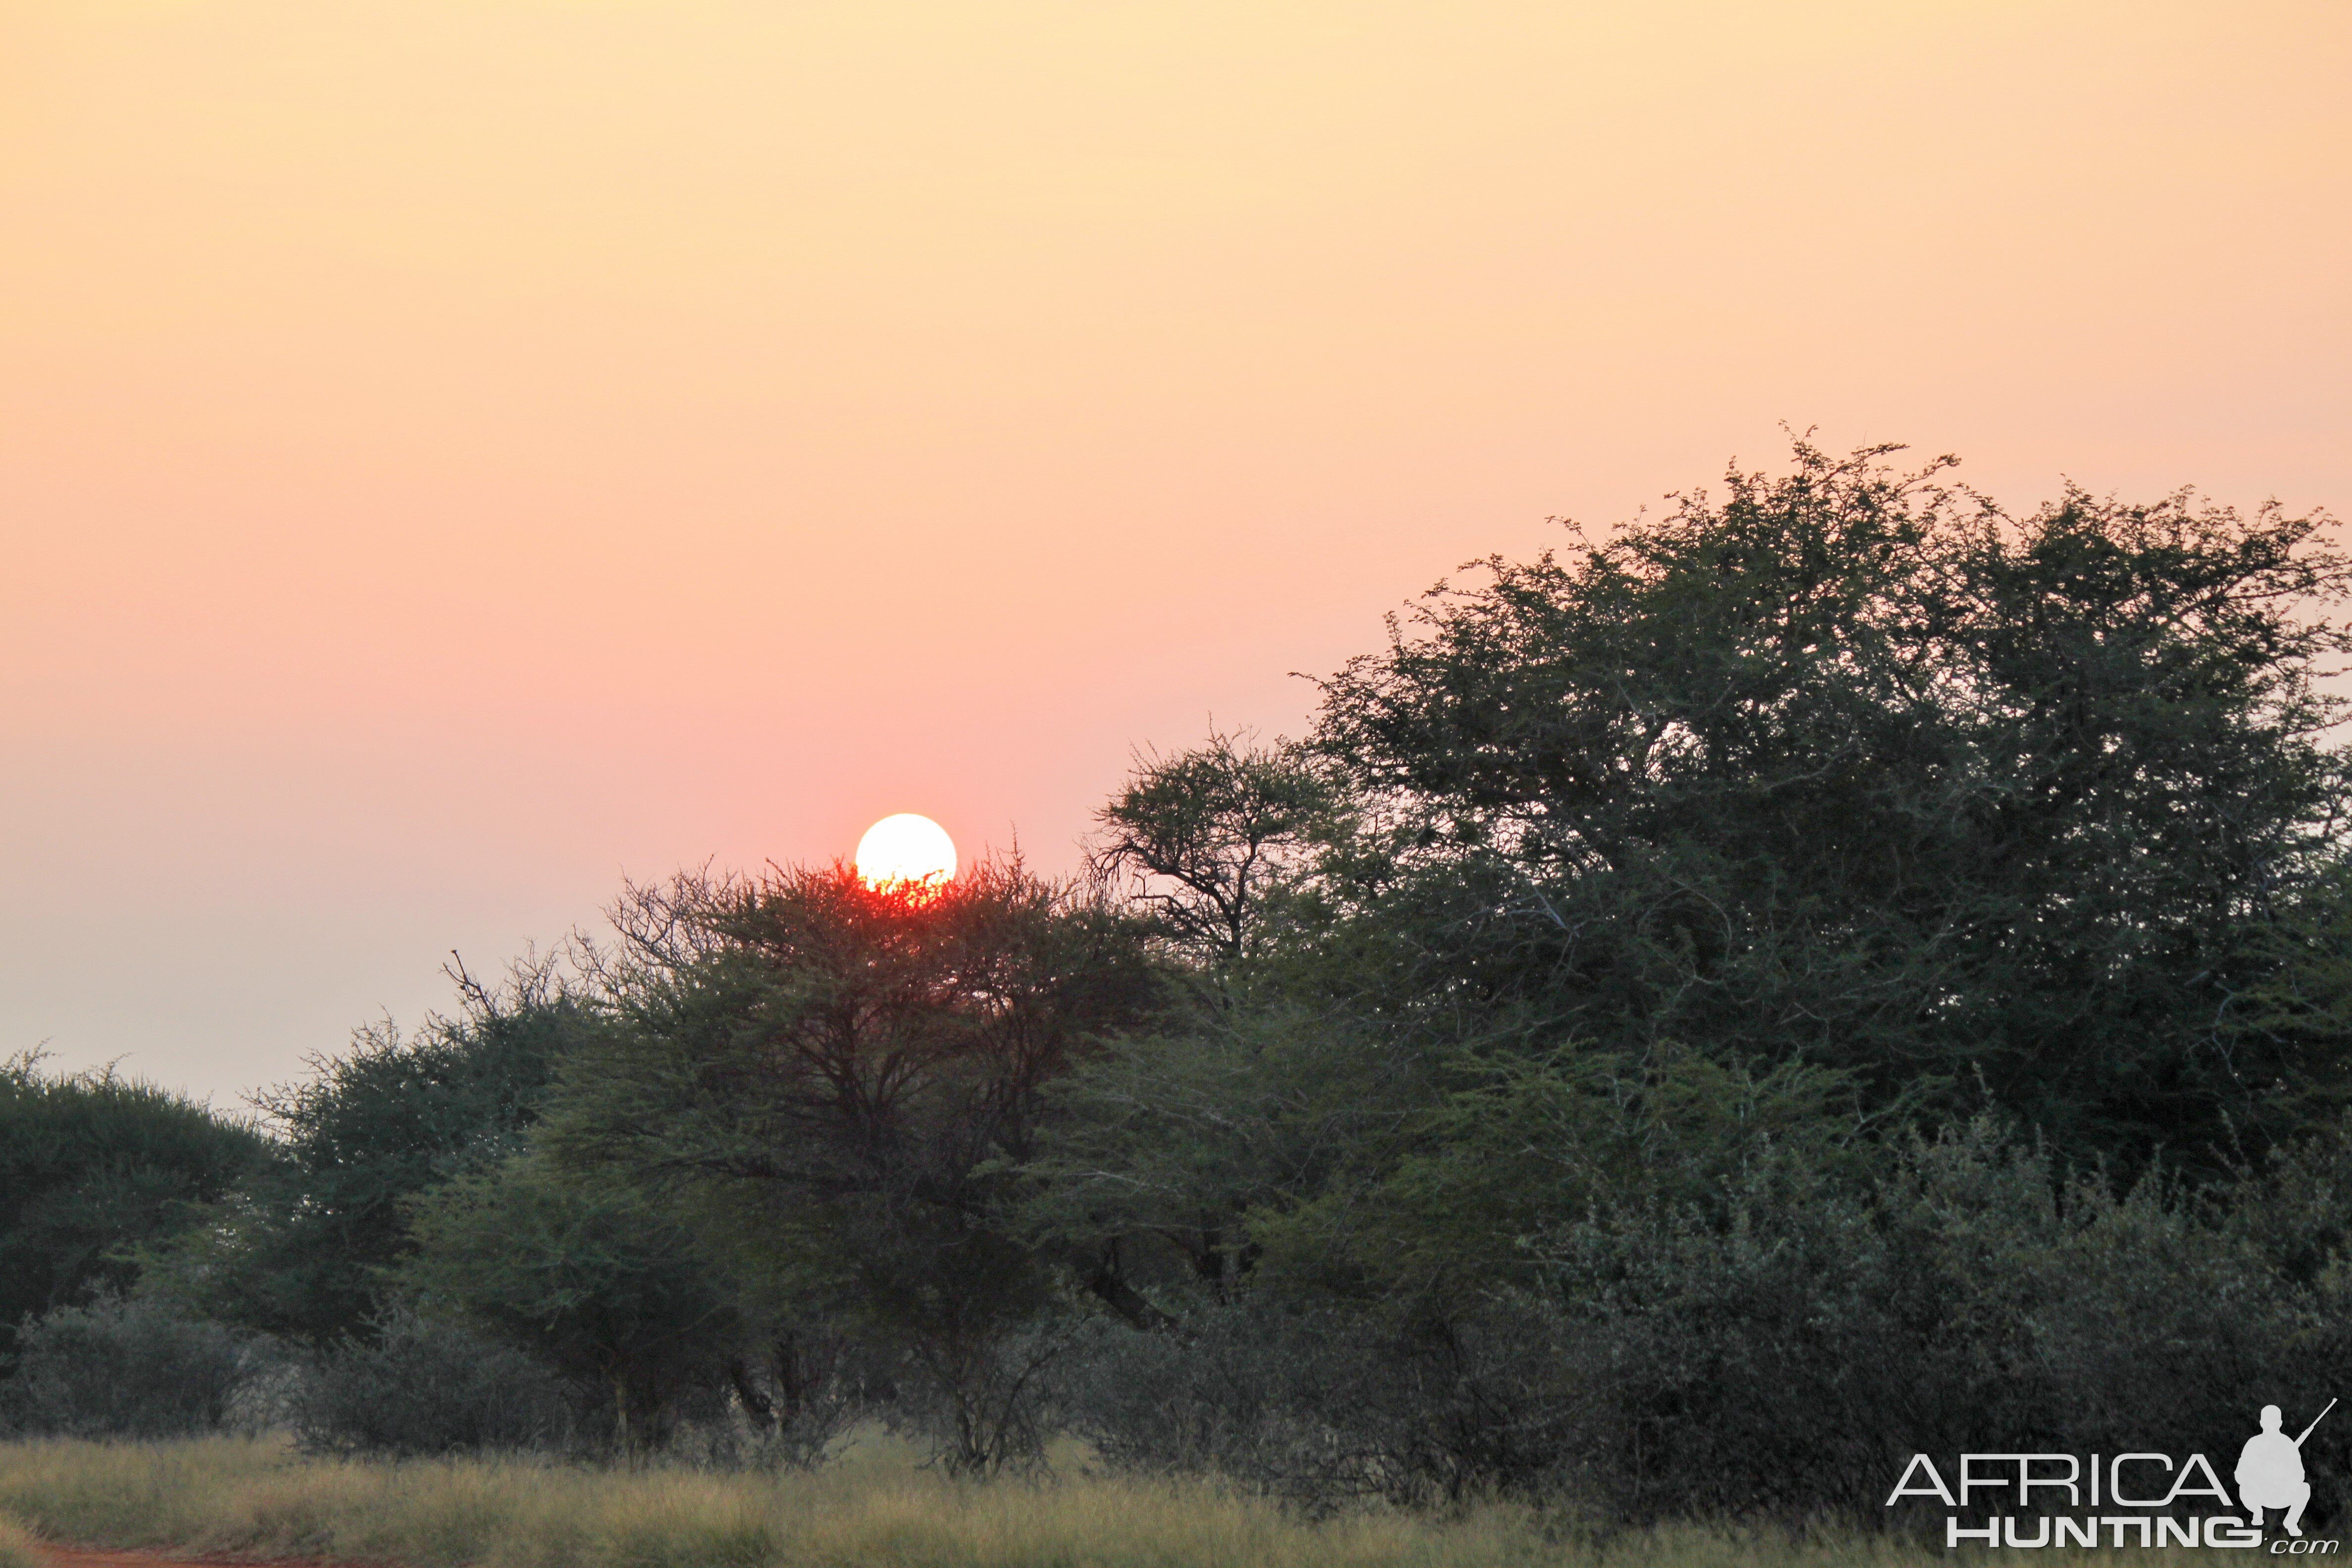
[452, 455]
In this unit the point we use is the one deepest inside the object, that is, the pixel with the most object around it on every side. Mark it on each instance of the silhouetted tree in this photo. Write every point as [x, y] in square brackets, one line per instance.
[1853, 769]
[845, 1081]
[1207, 840]
[302, 1252]
[92, 1165]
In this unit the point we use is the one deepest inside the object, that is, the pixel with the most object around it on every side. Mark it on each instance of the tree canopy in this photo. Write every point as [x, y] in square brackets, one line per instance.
[1848, 768]
[93, 1165]
[1832, 969]
[304, 1251]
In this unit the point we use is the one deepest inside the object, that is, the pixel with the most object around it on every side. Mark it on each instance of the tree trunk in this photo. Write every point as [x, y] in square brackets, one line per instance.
[621, 1435]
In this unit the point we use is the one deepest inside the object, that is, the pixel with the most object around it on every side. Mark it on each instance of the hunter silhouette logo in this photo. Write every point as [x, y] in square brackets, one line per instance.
[2270, 1470]
[2127, 1500]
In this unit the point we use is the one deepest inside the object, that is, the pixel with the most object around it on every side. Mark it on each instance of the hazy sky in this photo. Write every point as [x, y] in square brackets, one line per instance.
[454, 455]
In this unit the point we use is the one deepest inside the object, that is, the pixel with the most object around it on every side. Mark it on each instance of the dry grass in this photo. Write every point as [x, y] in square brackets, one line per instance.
[875, 1510]
[17, 1549]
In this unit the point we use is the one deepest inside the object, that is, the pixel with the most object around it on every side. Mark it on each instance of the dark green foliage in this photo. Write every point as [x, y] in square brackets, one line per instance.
[1785, 1357]
[92, 1165]
[1508, 1147]
[1767, 1355]
[1830, 974]
[1331, 1159]
[2298, 1003]
[128, 1368]
[1777, 1349]
[842, 1083]
[303, 1255]
[1575, 1129]
[606, 1289]
[1210, 843]
[1850, 769]
[1394, 1324]
[421, 1387]
[1327, 1403]
[1167, 1149]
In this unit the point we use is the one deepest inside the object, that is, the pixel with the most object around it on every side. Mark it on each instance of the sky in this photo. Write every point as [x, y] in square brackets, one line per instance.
[456, 457]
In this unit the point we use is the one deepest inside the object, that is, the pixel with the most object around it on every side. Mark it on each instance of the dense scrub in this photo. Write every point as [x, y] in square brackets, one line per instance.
[121, 1368]
[1831, 972]
[420, 1387]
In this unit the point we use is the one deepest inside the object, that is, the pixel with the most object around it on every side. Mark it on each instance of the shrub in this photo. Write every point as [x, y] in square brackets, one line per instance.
[130, 1368]
[428, 1387]
[1784, 1356]
[1769, 1361]
[980, 1401]
[1327, 1405]
[1778, 1352]
[791, 1403]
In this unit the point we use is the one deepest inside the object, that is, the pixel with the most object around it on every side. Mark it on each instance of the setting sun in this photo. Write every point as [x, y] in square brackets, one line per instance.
[905, 849]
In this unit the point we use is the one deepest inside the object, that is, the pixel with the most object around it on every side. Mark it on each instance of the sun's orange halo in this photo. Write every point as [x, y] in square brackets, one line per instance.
[905, 851]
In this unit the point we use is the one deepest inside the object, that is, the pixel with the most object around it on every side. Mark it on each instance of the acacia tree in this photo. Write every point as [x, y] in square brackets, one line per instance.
[1851, 768]
[93, 1165]
[1680, 878]
[613, 1293]
[845, 1082]
[1840, 803]
[302, 1249]
[1208, 841]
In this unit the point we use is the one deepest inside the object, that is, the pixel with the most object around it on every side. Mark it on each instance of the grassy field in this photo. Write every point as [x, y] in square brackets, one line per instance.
[256, 1499]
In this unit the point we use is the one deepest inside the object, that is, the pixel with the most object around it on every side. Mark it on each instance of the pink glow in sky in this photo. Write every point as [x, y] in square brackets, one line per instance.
[455, 455]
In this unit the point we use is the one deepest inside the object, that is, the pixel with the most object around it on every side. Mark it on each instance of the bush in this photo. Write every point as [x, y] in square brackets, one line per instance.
[1771, 1361]
[790, 1404]
[1783, 1356]
[982, 1401]
[93, 1165]
[131, 1368]
[428, 1387]
[1327, 1405]
[1778, 1352]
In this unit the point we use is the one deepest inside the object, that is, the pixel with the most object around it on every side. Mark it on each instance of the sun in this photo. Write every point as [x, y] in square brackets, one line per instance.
[905, 851]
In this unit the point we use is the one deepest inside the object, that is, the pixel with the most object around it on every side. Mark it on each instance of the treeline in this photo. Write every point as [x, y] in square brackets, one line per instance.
[1829, 973]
